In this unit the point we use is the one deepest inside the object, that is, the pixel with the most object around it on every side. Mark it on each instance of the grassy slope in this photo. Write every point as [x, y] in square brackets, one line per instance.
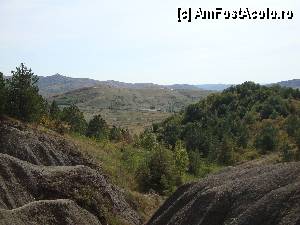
[130, 108]
[120, 162]
[110, 158]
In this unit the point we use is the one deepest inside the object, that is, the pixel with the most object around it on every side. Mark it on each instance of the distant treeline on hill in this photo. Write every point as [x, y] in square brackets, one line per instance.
[242, 122]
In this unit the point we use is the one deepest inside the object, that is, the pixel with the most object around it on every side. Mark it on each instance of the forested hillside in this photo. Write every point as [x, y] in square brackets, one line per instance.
[243, 122]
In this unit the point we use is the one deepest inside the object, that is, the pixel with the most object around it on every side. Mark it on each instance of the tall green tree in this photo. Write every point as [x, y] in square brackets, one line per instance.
[54, 111]
[75, 118]
[267, 139]
[172, 131]
[159, 173]
[97, 128]
[2, 94]
[24, 101]
[181, 158]
[226, 151]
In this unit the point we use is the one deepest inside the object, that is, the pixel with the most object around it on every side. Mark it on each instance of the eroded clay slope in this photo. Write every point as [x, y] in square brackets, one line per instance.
[37, 147]
[251, 194]
[44, 179]
[58, 212]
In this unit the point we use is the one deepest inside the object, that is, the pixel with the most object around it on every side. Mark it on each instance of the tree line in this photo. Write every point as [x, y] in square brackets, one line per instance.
[244, 121]
[241, 123]
[156, 167]
[20, 99]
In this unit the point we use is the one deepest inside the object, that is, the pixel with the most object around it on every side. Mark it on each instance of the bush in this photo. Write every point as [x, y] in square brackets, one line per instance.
[74, 117]
[2, 94]
[267, 139]
[147, 140]
[56, 125]
[54, 111]
[181, 158]
[226, 152]
[198, 166]
[97, 128]
[159, 173]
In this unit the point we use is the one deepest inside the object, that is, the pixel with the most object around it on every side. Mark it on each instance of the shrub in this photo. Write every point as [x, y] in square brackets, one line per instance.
[74, 117]
[267, 139]
[54, 111]
[159, 173]
[181, 158]
[199, 166]
[2, 94]
[97, 128]
[147, 140]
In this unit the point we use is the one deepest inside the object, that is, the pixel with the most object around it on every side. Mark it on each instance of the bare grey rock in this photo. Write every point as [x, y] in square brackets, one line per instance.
[251, 194]
[58, 212]
[40, 148]
[45, 179]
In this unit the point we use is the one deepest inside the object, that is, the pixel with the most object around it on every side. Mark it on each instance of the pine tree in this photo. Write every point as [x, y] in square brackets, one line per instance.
[24, 101]
[2, 94]
[54, 111]
[74, 118]
[181, 158]
[97, 128]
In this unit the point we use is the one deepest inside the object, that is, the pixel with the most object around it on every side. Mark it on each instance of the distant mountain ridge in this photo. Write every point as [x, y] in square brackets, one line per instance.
[295, 83]
[214, 87]
[59, 84]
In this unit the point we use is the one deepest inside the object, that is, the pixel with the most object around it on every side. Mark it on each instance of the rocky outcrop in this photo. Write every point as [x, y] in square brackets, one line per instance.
[250, 194]
[44, 179]
[59, 212]
[37, 147]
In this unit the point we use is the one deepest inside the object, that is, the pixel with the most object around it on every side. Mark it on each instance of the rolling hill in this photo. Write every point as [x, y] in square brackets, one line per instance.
[58, 84]
[130, 107]
[295, 83]
[214, 87]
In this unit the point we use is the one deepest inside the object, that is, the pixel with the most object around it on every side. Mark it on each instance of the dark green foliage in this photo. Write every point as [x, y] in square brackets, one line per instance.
[197, 138]
[147, 140]
[199, 166]
[274, 106]
[115, 133]
[181, 158]
[267, 138]
[226, 151]
[287, 151]
[3, 93]
[159, 173]
[120, 134]
[220, 127]
[297, 139]
[293, 124]
[74, 117]
[172, 131]
[195, 161]
[24, 101]
[54, 111]
[97, 128]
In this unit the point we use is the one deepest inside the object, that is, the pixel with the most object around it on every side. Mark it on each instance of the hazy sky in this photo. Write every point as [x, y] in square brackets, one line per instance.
[141, 41]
